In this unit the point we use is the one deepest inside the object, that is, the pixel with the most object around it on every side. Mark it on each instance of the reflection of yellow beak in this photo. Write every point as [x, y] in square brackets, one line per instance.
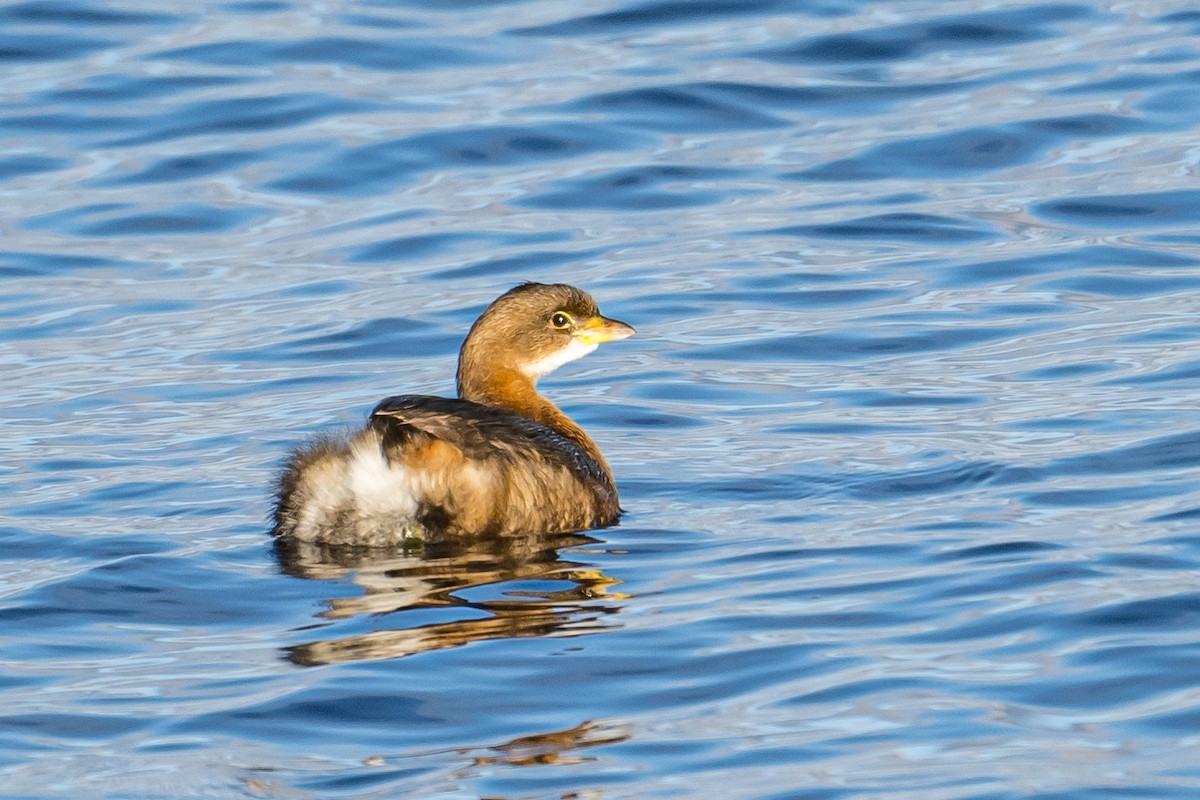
[599, 329]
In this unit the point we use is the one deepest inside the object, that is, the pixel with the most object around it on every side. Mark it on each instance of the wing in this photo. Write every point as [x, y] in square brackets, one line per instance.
[479, 432]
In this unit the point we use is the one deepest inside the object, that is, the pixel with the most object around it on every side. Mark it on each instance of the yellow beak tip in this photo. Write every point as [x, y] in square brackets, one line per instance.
[598, 330]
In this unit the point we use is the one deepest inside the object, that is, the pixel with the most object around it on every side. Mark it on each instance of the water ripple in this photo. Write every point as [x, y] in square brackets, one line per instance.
[378, 167]
[387, 56]
[970, 151]
[107, 220]
[671, 13]
[1150, 209]
[897, 226]
[945, 33]
[659, 186]
[237, 114]
[674, 109]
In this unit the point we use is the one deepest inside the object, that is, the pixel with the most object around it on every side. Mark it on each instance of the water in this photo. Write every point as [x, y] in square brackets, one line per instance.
[908, 438]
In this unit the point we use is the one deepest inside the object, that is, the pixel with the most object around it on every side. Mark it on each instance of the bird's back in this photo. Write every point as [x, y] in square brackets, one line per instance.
[432, 466]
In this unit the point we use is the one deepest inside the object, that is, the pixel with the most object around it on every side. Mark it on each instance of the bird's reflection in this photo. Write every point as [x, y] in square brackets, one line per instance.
[445, 575]
[555, 747]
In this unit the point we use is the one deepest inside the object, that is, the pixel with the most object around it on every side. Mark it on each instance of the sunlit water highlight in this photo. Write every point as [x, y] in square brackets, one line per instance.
[908, 438]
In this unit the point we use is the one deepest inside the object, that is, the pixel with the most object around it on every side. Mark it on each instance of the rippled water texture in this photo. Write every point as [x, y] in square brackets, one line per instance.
[908, 439]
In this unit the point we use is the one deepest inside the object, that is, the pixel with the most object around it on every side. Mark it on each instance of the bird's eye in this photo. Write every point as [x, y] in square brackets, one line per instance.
[560, 320]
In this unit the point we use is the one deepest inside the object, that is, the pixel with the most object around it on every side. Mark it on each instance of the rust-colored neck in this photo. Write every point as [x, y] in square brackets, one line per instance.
[514, 391]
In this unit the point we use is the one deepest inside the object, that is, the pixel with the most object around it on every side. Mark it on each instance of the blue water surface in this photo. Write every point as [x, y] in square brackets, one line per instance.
[908, 439]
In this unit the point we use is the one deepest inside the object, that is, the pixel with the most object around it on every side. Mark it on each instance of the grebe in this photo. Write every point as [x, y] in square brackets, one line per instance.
[499, 459]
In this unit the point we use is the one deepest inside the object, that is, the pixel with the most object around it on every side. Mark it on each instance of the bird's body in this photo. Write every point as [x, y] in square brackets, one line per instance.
[499, 459]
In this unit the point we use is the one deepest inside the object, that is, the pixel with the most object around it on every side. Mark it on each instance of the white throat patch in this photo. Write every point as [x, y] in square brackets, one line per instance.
[544, 366]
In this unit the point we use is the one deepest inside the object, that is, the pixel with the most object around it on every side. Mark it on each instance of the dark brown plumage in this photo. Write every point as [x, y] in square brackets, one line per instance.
[500, 459]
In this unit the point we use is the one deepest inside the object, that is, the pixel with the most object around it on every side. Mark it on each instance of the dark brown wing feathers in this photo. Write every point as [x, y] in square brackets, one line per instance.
[479, 432]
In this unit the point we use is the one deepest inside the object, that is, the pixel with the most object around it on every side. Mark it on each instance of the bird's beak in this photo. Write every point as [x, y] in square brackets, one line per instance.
[598, 329]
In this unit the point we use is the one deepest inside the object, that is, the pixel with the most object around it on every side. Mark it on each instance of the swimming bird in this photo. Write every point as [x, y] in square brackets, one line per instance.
[499, 459]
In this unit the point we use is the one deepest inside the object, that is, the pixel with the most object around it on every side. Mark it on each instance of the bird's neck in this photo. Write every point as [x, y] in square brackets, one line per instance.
[514, 391]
